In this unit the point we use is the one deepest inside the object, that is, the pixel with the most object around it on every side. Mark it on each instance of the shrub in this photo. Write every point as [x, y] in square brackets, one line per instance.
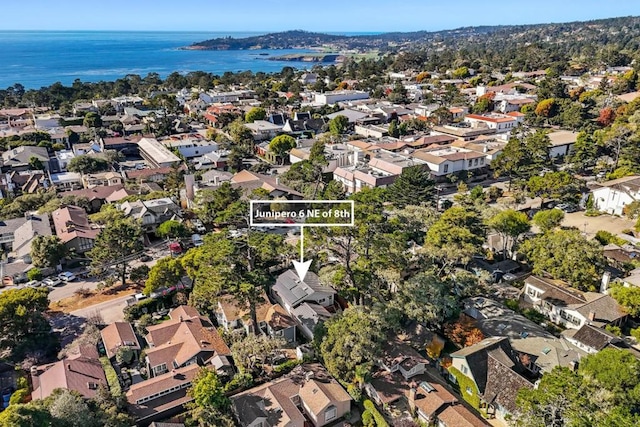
[83, 292]
[20, 396]
[286, 366]
[377, 416]
[34, 274]
[112, 377]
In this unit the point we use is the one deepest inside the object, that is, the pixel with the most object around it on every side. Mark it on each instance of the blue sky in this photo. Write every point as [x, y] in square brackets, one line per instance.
[274, 15]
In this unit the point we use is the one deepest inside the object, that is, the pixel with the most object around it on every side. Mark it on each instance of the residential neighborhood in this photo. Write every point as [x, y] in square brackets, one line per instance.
[490, 274]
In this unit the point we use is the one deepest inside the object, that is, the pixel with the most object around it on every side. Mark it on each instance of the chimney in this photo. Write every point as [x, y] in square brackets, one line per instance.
[181, 319]
[604, 284]
[69, 366]
[277, 180]
[592, 316]
[573, 365]
[412, 398]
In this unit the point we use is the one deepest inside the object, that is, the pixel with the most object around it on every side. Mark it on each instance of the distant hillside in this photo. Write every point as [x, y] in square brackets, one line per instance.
[597, 31]
[302, 39]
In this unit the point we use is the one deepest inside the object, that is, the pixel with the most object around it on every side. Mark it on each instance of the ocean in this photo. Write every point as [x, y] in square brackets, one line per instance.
[41, 58]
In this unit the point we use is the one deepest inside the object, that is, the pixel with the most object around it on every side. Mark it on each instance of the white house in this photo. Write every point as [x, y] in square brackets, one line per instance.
[499, 122]
[613, 196]
[569, 307]
[191, 147]
[329, 98]
[562, 143]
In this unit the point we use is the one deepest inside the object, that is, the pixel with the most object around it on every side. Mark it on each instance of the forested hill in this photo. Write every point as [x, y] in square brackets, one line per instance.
[601, 30]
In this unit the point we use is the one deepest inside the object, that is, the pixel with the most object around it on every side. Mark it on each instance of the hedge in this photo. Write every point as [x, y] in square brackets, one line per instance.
[377, 416]
[112, 377]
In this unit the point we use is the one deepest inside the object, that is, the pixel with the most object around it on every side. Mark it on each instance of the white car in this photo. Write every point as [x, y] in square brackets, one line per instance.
[52, 281]
[67, 276]
[199, 226]
[33, 284]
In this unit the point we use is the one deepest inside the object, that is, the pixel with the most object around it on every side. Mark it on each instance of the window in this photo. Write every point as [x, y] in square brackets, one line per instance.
[475, 162]
[446, 168]
[470, 163]
[331, 413]
[464, 369]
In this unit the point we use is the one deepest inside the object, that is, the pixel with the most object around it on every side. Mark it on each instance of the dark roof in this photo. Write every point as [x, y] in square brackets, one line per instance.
[477, 355]
[593, 337]
[605, 310]
[556, 294]
[503, 382]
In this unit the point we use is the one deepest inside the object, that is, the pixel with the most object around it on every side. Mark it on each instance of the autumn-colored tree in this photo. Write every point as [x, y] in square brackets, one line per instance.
[546, 108]
[422, 76]
[463, 331]
[606, 117]
[435, 347]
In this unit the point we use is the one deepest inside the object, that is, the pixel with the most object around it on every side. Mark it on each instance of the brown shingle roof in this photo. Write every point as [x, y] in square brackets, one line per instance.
[431, 401]
[177, 377]
[71, 222]
[593, 337]
[81, 374]
[459, 416]
[119, 334]
[182, 338]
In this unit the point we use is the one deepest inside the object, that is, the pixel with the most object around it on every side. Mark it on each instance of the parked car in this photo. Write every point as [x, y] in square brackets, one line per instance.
[567, 207]
[196, 239]
[199, 226]
[33, 284]
[146, 258]
[67, 276]
[52, 281]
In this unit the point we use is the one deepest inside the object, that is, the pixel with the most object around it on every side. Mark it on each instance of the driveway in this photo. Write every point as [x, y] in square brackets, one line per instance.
[592, 224]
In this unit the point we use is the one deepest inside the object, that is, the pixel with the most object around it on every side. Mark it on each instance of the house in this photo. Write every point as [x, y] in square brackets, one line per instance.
[355, 178]
[63, 157]
[459, 416]
[100, 179]
[273, 320]
[74, 230]
[98, 196]
[612, 196]
[188, 338]
[66, 181]
[330, 98]
[81, 372]
[148, 174]
[569, 307]
[127, 145]
[161, 395]
[496, 320]
[353, 116]
[252, 180]
[21, 182]
[117, 335]
[263, 130]
[590, 339]
[308, 78]
[16, 236]
[190, 146]
[214, 160]
[500, 122]
[18, 158]
[450, 159]
[495, 372]
[398, 368]
[307, 396]
[151, 213]
[561, 143]
[309, 302]
[337, 155]
[156, 154]
[541, 355]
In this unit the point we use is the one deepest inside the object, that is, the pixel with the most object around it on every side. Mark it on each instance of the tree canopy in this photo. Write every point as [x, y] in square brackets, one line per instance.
[566, 255]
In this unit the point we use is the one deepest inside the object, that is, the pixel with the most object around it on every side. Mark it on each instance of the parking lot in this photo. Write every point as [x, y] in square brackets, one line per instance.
[592, 224]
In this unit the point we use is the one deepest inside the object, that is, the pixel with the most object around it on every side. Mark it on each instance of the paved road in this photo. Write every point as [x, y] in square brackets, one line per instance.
[109, 311]
[67, 289]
